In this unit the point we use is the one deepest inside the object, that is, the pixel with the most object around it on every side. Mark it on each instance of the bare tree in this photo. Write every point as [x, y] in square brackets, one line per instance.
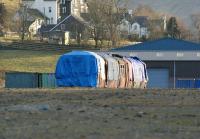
[2, 15]
[105, 15]
[156, 21]
[24, 27]
[113, 10]
[185, 33]
[145, 10]
[196, 23]
[96, 17]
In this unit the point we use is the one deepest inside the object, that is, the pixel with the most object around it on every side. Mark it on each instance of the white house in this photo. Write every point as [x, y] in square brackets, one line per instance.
[125, 26]
[33, 28]
[52, 12]
[56, 9]
[139, 30]
[48, 7]
[72, 7]
[135, 26]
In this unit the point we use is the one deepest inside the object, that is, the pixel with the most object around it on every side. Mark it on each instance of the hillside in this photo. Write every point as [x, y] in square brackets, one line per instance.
[180, 8]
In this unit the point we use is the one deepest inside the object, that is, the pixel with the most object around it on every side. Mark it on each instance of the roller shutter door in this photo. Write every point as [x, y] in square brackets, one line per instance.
[158, 78]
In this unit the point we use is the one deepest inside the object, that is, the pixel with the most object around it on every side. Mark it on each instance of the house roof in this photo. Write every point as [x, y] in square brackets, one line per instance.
[141, 20]
[69, 20]
[165, 44]
[32, 14]
[46, 28]
[36, 13]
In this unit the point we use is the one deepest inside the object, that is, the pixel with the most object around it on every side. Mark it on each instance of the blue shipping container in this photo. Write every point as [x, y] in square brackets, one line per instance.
[182, 83]
[21, 80]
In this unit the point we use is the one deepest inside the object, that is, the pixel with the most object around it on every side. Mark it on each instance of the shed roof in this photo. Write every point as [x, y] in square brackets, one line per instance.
[165, 44]
[70, 21]
[141, 20]
[36, 13]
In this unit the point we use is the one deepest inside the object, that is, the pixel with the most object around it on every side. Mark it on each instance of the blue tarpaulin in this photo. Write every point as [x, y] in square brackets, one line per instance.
[77, 69]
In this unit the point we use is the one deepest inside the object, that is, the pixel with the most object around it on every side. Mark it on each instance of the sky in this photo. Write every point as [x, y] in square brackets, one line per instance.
[180, 8]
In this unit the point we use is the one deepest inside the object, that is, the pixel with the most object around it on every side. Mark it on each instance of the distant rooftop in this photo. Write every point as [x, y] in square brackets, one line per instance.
[165, 44]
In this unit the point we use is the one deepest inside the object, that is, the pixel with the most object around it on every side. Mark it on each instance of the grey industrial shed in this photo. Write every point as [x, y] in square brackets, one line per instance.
[168, 61]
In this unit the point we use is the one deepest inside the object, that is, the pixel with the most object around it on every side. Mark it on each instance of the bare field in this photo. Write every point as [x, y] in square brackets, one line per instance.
[28, 61]
[99, 114]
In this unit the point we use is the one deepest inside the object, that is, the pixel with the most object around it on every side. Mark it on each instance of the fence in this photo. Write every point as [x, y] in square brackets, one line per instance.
[188, 83]
[45, 47]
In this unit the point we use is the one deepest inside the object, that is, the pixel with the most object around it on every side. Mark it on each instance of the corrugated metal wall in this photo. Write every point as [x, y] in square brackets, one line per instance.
[30, 80]
[188, 83]
[185, 83]
[21, 80]
[184, 69]
[47, 80]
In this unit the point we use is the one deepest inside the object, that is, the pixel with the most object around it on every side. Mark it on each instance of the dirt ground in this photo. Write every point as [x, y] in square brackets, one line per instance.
[99, 114]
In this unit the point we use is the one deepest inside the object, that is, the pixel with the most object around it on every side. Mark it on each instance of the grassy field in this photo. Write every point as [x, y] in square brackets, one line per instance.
[99, 114]
[28, 61]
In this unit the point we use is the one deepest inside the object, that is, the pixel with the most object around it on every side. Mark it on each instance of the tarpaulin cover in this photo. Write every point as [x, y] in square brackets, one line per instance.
[113, 67]
[101, 70]
[77, 69]
[144, 71]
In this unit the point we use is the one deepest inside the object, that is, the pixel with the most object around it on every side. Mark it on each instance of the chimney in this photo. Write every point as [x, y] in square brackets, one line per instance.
[165, 23]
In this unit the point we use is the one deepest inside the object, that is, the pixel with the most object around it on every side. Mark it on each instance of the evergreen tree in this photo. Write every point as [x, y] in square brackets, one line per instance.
[172, 28]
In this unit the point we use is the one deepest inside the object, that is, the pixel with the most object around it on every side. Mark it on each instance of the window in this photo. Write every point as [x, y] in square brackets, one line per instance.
[75, 2]
[44, 10]
[64, 10]
[180, 54]
[82, 9]
[135, 27]
[50, 9]
[62, 26]
[159, 54]
[51, 20]
[83, 1]
[63, 1]
[48, 21]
